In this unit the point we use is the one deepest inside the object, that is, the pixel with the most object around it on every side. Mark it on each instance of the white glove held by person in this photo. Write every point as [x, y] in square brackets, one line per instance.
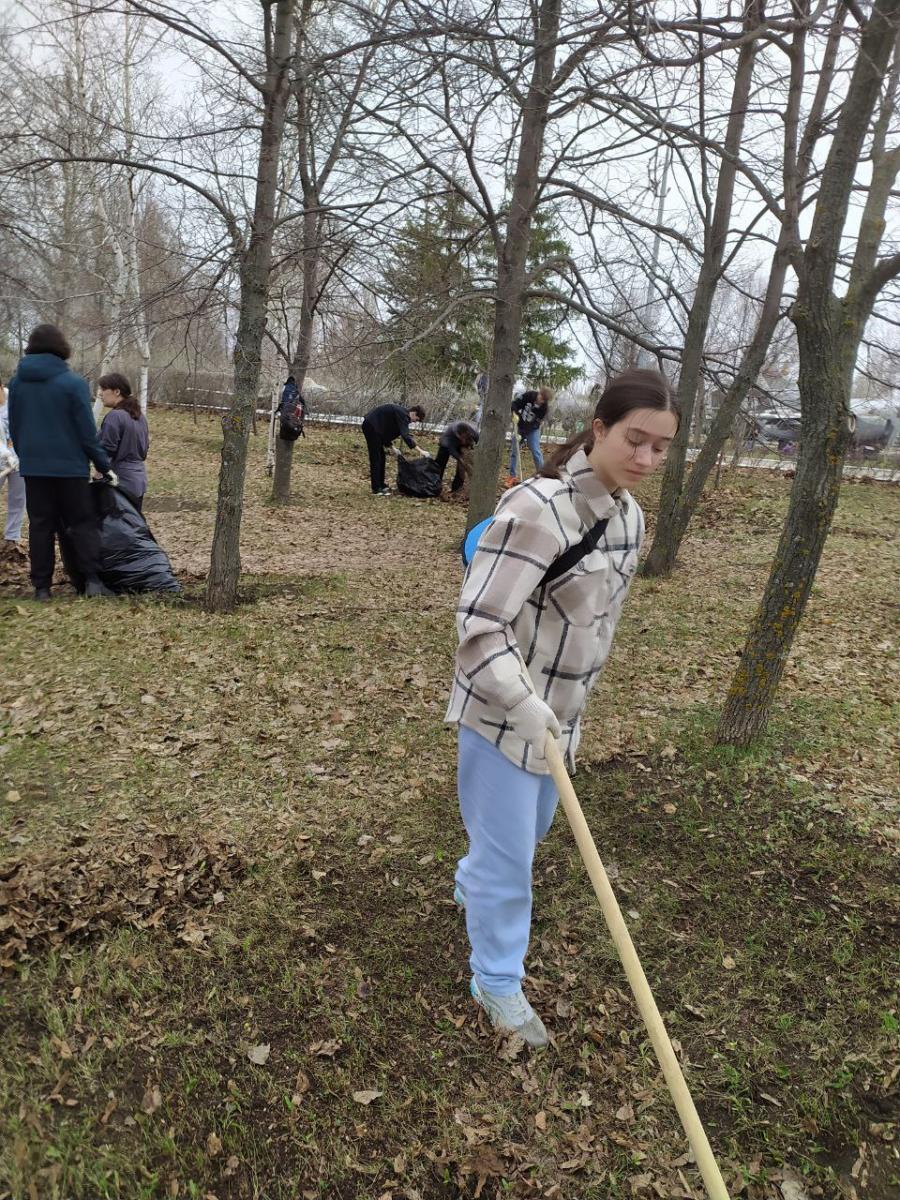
[423, 453]
[532, 720]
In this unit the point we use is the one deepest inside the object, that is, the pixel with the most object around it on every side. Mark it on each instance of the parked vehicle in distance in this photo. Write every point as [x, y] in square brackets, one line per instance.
[867, 433]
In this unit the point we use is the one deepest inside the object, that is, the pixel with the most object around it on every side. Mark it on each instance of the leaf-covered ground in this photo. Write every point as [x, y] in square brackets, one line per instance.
[231, 966]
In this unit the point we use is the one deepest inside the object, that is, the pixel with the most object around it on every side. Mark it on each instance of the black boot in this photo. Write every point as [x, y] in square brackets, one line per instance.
[42, 594]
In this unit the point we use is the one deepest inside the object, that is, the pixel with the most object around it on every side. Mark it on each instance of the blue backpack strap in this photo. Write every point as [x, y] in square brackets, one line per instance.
[571, 558]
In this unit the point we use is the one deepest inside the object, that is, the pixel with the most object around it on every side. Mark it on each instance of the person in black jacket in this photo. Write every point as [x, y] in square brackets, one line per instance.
[457, 438]
[530, 409]
[53, 433]
[381, 427]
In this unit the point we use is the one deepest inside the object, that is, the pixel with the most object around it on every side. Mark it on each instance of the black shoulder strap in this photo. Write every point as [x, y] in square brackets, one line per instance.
[575, 554]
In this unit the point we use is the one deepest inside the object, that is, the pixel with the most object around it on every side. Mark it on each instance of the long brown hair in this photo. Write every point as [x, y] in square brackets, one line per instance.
[637, 388]
[118, 383]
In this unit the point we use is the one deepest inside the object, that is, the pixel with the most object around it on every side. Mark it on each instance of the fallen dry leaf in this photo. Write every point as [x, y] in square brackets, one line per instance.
[324, 1049]
[366, 1097]
[152, 1100]
[259, 1054]
[213, 1145]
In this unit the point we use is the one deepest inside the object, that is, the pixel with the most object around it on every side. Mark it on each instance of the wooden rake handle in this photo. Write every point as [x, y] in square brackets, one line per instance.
[690, 1119]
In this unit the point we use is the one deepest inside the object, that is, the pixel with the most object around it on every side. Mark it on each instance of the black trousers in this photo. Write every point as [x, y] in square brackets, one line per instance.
[376, 456]
[441, 459]
[61, 508]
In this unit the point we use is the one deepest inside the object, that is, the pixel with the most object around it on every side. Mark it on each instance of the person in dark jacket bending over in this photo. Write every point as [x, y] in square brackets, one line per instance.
[457, 438]
[531, 409]
[124, 436]
[53, 433]
[381, 427]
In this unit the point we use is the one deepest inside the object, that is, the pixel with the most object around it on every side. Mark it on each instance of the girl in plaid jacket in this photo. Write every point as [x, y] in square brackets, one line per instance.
[531, 644]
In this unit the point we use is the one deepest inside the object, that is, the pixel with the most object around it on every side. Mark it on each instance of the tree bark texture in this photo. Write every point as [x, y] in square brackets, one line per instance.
[511, 258]
[281, 476]
[827, 362]
[254, 274]
[828, 335]
[661, 557]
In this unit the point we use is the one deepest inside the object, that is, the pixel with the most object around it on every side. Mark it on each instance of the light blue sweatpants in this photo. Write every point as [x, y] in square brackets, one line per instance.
[15, 506]
[506, 812]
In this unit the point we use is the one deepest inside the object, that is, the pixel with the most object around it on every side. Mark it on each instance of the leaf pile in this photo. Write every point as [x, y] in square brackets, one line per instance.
[162, 884]
[13, 567]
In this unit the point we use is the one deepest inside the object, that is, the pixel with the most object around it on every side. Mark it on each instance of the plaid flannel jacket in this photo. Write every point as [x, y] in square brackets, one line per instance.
[512, 627]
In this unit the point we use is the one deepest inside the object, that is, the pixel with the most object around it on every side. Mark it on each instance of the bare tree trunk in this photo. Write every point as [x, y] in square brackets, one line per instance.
[739, 432]
[511, 271]
[828, 334]
[138, 312]
[284, 451]
[668, 541]
[814, 497]
[662, 553]
[699, 413]
[281, 476]
[255, 270]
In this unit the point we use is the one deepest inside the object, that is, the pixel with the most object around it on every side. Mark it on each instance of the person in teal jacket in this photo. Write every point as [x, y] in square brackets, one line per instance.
[53, 433]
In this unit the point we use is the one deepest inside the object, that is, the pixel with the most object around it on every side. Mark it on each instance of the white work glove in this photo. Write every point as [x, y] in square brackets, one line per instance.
[532, 720]
[396, 453]
[111, 477]
[423, 453]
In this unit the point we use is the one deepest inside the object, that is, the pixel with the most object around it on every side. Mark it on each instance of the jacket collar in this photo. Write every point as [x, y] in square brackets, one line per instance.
[601, 502]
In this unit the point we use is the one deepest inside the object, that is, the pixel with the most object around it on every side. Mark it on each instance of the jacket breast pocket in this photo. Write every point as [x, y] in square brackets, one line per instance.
[580, 597]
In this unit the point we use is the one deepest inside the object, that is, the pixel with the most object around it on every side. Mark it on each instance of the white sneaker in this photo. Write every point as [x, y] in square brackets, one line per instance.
[386, 491]
[513, 1014]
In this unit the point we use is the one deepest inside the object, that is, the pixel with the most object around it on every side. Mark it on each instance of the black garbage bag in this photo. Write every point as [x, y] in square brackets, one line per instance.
[419, 477]
[131, 559]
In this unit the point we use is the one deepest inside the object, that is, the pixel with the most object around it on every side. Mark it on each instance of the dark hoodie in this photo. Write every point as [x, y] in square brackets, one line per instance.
[50, 420]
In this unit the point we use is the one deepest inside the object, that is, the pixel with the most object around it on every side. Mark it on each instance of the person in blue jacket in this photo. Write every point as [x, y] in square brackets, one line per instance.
[53, 433]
